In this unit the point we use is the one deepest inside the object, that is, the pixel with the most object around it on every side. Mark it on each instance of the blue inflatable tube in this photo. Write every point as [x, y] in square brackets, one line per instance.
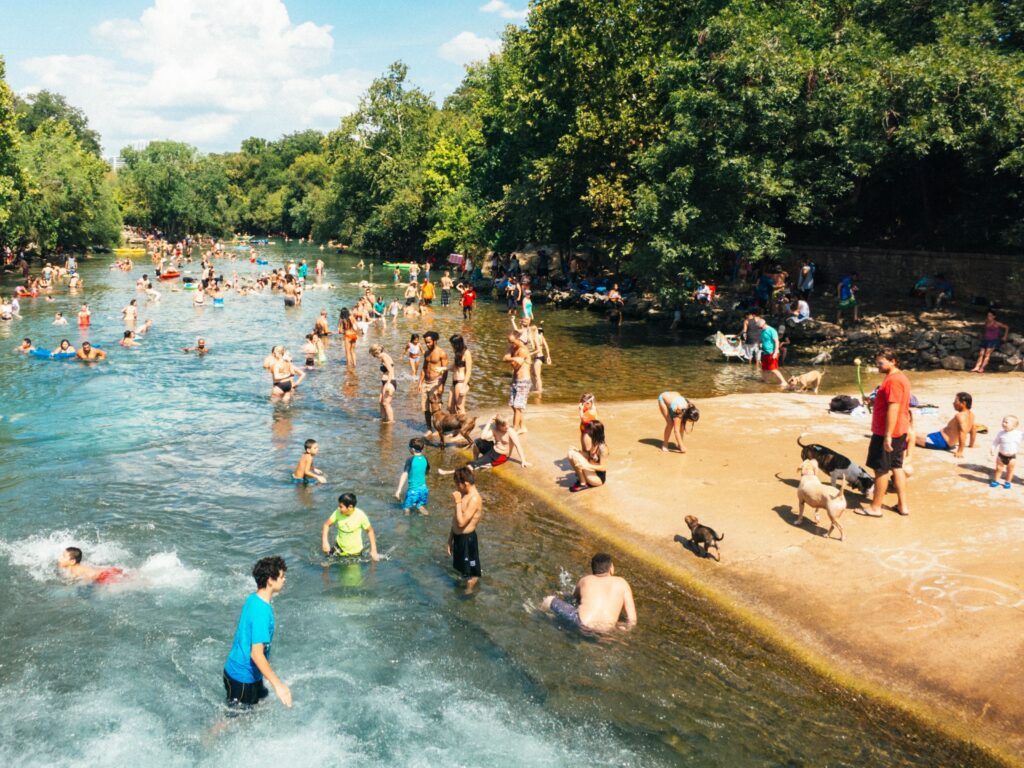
[262, 261]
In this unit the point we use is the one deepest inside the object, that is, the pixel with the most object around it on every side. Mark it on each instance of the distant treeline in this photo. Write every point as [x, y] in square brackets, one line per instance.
[659, 135]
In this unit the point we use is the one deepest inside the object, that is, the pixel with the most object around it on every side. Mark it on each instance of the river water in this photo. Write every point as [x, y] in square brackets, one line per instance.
[177, 469]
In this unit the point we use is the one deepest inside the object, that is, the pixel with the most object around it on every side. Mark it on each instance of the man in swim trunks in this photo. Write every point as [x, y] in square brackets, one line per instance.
[322, 328]
[890, 421]
[494, 446]
[961, 430]
[90, 354]
[601, 599]
[248, 663]
[433, 374]
[463, 547]
[71, 561]
[446, 288]
[305, 473]
[200, 348]
[771, 349]
[519, 358]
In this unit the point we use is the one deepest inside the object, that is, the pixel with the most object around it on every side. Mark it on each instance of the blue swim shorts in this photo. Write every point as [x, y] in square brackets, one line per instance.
[566, 611]
[416, 497]
[936, 442]
[304, 480]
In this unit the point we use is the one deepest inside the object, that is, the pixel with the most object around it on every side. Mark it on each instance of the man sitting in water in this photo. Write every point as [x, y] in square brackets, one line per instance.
[90, 354]
[200, 348]
[494, 447]
[600, 598]
[71, 562]
[957, 432]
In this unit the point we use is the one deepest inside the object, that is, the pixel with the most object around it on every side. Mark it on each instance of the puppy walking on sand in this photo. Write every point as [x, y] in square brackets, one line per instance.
[813, 493]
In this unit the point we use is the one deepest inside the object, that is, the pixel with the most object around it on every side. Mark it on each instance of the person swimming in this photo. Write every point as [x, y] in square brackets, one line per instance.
[305, 473]
[71, 561]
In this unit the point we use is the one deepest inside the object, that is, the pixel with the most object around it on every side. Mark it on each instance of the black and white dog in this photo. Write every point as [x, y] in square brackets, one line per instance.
[839, 468]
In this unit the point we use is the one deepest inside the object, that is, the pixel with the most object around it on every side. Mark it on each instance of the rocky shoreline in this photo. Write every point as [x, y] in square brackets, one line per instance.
[945, 339]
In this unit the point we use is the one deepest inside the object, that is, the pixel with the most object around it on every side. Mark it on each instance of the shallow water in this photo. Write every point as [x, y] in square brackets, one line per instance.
[176, 468]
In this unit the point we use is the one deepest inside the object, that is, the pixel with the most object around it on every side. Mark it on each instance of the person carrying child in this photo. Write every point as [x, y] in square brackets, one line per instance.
[414, 473]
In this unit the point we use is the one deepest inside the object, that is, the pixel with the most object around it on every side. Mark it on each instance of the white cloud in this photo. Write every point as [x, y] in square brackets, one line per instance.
[504, 10]
[467, 46]
[204, 71]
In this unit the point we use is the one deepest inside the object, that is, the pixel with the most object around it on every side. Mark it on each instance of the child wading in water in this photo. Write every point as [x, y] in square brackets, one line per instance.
[1004, 450]
[305, 473]
[413, 350]
[415, 474]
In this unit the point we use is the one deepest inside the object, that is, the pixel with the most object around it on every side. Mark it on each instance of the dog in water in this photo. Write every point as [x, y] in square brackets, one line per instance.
[839, 468]
[812, 493]
[443, 422]
[805, 381]
[703, 535]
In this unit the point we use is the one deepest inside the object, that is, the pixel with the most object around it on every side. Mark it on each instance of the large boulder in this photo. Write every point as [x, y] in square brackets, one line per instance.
[815, 330]
[953, 363]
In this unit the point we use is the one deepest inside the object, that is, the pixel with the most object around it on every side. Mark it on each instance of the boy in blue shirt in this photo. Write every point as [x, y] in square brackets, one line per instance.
[249, 660]
[415, 473]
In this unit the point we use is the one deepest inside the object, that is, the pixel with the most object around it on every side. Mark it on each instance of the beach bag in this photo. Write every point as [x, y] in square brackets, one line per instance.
[843, 404]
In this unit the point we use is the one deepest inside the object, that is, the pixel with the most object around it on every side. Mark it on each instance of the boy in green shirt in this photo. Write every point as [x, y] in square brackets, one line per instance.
[351, 522]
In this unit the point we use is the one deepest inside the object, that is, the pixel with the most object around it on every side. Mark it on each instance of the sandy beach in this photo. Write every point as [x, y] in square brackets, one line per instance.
[926, 610]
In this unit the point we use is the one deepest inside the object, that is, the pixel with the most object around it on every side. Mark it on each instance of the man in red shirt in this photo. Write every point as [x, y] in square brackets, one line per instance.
[890, 420]
[468, 297]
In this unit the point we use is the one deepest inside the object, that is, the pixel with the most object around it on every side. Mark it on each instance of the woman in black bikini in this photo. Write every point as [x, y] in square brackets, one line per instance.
[387, 383]
[462, 371]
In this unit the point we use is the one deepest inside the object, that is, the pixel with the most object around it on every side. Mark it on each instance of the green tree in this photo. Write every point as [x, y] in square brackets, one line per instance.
[12, 181]
[47, 107]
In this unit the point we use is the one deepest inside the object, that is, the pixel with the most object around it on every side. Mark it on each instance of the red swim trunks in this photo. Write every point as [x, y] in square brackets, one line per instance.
[769, 363]
[109, 576]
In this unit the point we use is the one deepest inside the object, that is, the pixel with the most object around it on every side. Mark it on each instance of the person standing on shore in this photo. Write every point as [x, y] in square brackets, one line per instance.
[463, 547]
[990, 339]
[248, 663]
[519, 359]
[890, 420]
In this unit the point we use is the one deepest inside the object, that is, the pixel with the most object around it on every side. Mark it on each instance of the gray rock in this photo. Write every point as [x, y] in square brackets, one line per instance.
[1014, 360]
[953, 363]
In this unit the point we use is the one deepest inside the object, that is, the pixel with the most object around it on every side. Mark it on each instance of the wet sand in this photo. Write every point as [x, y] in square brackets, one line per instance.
[926, 610]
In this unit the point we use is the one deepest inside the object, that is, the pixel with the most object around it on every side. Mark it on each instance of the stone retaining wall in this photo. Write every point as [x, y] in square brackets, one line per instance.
[884, 273]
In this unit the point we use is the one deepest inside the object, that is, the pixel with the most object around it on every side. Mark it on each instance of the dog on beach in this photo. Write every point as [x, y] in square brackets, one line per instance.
[443, 422]
[812, 493]
[805, 381]
[703, 535]
[839, 468]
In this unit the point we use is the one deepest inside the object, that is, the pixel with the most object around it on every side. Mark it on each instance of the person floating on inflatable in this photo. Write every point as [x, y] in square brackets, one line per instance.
[71, 562]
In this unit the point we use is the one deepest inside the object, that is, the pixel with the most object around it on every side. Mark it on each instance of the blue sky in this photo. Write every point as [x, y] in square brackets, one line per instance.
[212, 72]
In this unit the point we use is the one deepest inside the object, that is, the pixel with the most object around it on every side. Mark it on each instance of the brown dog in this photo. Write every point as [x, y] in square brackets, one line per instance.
[805, 381]
[702, 535]
[441, 421]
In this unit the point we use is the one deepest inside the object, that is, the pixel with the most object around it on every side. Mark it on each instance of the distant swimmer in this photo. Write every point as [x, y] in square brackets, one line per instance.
[128, 340]
[70, 561]
[25, 346]
[305, 473]
[66, 347]
[248, 663]
[350, 522]
[84, 317]
[600, 599]
[200, 348]
[89, 354]
[59, 319]
[144, 327]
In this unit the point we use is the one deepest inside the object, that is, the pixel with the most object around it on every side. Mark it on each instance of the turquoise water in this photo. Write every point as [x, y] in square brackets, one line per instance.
[176, 468]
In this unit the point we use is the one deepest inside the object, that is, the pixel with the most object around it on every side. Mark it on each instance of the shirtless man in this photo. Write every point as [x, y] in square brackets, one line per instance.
[201, 349]
[537, 347]
[519, 358]
[494, 446]
[446, 288]
[433, 374]
[960, 431]
[90, 354]
[322, 328]
[305, 473]
[463, 547]
[600, 598]
[71, 561]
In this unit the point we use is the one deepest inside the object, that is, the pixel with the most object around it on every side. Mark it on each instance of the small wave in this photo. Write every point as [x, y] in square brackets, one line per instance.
[38, 556]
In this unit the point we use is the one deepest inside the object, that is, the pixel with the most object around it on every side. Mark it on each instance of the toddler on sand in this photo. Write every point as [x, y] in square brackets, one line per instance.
[1004, 449]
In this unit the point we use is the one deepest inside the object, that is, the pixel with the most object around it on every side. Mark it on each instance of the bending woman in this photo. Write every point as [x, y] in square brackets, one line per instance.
[462, 371]
[677, 411]
[590, 463]
[387, 383]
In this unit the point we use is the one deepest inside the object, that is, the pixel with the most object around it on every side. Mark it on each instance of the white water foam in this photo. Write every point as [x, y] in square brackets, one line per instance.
[38, 555]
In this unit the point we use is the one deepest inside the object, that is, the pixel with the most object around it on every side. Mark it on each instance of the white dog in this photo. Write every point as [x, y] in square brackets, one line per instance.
[812, 492]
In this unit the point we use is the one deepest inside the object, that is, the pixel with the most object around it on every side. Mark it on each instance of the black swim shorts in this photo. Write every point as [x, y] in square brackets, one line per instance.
[466, 554]
[882, 461]
[243, 694]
